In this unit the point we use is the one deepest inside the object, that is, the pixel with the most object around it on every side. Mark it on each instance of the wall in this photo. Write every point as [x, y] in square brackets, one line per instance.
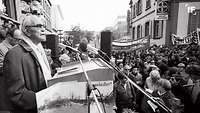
[183, 16]
[56, 18]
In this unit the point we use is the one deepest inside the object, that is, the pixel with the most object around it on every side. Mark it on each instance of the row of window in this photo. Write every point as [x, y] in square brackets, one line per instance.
[137, 7]
[46, 7]
[153, 28]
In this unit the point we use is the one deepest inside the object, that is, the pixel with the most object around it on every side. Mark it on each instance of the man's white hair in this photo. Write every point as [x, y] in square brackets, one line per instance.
[30, 20]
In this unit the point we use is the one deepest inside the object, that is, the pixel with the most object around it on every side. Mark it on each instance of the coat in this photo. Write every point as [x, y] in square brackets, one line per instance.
[124, 98]
[4, 47]
[23, 78]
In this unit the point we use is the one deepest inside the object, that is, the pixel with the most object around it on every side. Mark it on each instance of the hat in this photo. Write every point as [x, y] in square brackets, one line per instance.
[154, 66]
[181, 65]
[127, 67]
[152, 61]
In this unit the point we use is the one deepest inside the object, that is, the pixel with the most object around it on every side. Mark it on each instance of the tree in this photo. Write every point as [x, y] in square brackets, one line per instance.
[76, 33]
[89, 35]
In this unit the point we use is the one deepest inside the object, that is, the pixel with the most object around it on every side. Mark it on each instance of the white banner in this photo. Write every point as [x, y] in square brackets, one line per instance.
[190, 38]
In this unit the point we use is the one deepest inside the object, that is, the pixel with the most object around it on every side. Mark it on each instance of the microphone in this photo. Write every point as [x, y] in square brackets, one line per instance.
[63, 46]
[94, 50]
[72, 49]
[188, 85]
[84, 47]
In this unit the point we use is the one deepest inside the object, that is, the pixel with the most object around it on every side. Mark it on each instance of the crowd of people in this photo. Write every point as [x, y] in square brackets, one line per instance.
[170, 73]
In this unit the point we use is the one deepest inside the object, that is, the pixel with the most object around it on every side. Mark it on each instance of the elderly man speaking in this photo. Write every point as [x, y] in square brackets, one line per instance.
[26, 68]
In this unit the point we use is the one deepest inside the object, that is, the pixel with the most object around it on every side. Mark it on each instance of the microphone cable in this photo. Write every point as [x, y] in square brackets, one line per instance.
[105, 55]
[100, 95]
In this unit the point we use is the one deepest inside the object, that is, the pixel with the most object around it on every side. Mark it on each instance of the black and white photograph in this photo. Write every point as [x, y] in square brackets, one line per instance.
[99, 56]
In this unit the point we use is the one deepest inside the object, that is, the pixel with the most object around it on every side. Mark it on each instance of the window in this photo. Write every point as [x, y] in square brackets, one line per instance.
[139, 31]
[193, 22]
[139, 7]
[133, 33]
[148, 4]
[147, 28]
[134, 7]
[158, 28]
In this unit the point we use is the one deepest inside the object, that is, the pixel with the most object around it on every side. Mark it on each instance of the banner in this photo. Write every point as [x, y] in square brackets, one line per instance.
[176, 40]
[193, 37]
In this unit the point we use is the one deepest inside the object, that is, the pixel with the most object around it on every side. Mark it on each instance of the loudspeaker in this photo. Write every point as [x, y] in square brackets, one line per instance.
[52, 43]
[106, 43]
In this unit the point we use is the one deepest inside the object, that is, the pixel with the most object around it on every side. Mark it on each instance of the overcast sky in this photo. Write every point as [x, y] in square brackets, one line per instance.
[91, 14]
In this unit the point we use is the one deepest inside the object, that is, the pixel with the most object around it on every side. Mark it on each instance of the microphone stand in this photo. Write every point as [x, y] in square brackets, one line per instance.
[91, 88]
[158, 103]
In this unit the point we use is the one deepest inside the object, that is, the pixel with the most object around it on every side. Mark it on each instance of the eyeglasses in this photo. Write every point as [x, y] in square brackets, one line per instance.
[38, 26]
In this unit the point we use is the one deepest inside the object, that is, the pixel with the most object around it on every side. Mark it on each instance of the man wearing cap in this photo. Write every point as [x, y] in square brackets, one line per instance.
[26, 68]
[12, 37]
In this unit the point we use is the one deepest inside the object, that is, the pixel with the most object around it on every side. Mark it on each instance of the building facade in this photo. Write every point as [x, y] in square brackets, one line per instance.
[180, 20]
[143, 22]
[15, 10]
[46, 4]
[56, 18]
[8, 11]
[120, 27]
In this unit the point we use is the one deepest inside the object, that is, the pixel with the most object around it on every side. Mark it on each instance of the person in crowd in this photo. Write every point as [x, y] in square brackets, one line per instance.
[2, 33]
[164, 69]
[12, 36]
[83, 49]
[194, 71]
[64, 54]
[137, 76]
[181, 67]
[121, 66]
[64, 58]
[151, 82]
[164, 92]
[127, 69]
[26, 68]
[181, 75]
[167, 97]
[124, 95]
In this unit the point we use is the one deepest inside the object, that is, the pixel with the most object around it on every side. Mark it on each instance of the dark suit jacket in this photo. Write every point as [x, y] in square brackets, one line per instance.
[124, 98]
[23, 78]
